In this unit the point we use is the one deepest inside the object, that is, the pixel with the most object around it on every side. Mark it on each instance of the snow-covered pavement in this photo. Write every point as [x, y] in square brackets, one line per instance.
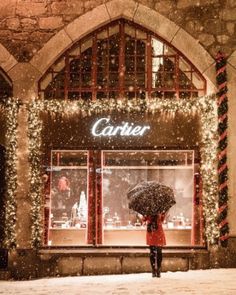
[214, 281]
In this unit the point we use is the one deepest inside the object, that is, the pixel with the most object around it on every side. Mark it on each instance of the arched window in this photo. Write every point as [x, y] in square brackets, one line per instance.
[121, 59]
[5, 85]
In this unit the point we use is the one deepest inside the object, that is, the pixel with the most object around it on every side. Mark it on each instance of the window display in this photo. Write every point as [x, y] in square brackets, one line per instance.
[122, 170]
[110, 175]
[68, 196]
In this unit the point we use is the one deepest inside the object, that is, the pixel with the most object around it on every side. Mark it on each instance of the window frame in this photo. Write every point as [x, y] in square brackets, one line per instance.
[148, 90]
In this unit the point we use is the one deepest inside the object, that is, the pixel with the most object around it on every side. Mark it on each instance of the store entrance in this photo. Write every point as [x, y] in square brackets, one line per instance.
[89, 202]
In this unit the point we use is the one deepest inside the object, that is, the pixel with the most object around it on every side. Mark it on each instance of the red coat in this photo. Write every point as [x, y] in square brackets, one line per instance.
[157, 237]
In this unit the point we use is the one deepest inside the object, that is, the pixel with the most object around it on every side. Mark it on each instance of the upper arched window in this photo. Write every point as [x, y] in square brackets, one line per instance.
[121, 59]
[5, 85]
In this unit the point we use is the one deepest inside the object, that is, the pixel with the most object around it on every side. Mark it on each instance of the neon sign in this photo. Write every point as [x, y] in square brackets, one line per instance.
[102, 127]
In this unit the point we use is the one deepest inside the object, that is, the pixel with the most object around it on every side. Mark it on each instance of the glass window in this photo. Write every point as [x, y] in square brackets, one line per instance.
[69, 198]
[122, 170]
[126, 50]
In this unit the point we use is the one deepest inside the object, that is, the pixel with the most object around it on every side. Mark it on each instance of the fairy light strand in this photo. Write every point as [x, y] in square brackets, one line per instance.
[10, 108]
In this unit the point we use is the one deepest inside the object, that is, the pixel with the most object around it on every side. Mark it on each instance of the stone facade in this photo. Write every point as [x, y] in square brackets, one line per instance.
[34, 33]
[212, 22]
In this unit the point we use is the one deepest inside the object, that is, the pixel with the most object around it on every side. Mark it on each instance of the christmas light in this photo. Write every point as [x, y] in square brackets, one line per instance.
[206, 108]
[10, 108]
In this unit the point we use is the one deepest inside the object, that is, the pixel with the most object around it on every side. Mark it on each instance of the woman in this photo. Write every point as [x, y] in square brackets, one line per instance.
[155, 238]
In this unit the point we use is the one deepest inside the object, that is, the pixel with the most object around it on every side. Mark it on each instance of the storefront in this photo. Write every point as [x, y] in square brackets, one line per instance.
[90, 161]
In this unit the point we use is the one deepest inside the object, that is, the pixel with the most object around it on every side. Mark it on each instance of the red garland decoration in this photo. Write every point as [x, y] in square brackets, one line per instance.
[221, 78]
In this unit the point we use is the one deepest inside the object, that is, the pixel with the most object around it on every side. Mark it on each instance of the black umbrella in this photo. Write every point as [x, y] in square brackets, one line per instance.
[150, 198]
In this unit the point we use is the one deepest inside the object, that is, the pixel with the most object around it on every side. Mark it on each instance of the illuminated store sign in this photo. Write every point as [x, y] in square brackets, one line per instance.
[103, 128]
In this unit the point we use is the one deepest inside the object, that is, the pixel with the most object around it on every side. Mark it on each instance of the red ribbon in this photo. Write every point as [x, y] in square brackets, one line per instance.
[222, 168]
[222, 85]
[221, 99]
[222, 154]
[223, 222]
[222, 208]
[221, 70]
[223, 135]
[223, 185]
[221, 119]
[225, 237]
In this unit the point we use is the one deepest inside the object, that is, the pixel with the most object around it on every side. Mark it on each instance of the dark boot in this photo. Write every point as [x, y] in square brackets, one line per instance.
[158, 272]
[154, 274]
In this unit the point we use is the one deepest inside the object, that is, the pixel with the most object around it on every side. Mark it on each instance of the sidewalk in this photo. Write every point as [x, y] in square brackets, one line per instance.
[214, 281]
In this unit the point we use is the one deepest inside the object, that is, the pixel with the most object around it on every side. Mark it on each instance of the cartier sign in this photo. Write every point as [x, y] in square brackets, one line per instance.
[103, 127]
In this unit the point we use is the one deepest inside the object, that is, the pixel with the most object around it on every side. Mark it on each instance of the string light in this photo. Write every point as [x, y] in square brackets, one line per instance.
[10, 108]
[206, 108]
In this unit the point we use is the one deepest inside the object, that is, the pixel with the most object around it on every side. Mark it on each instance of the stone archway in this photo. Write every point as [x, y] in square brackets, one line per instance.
[7, 60]
[138, 13]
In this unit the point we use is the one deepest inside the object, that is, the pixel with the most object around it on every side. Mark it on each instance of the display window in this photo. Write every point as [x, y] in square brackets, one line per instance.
[122, 170]
[68, 197]
[88, 196]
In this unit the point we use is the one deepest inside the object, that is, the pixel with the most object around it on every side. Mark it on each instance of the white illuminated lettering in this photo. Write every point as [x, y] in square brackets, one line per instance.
[103, 128]
[94, 129]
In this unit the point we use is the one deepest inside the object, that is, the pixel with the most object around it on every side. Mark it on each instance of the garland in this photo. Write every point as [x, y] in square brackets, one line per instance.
[206, 108]
[221, 78]
[10, 108]
[35, 190]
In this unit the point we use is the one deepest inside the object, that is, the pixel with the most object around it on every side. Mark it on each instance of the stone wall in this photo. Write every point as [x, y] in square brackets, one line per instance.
[26, 25]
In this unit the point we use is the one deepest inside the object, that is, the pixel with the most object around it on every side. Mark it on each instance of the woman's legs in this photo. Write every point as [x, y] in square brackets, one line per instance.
[158, 260]
[153, 259]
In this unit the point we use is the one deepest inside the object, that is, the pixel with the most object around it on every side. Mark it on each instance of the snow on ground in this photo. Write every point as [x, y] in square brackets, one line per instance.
[213, 281]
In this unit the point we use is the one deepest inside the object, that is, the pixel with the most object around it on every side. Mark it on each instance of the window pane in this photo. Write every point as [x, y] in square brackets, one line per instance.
[157, 47]
[140, 79]
[86, 79]
[157, 64]
[140, 47]
[129, 46]
[185, 81]
[103, 34]
[169, 80]
[129, 30]
[197, 81]
[169, 64]
[75, 65]
[101, 95]
[86, 61]
[141, 34]
[73, 95]
[122, 170]
[102, 79]
[86, 95]
[158, 80]
[114, 43]
[113, 80]
[69, 209]
[74, 80]
[184, 94]
[140, 64]
[129, 79]
[129, 63]
[114, 63]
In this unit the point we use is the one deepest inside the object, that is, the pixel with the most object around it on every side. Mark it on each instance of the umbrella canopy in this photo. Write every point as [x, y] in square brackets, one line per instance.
[150, 198]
